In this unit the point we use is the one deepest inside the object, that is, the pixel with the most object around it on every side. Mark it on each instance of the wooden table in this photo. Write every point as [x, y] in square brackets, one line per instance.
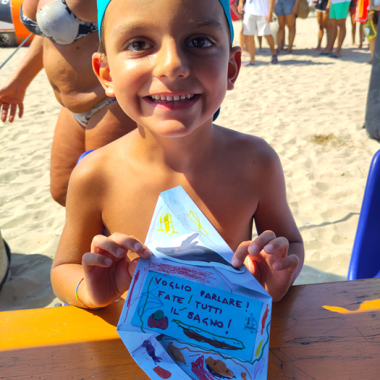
[307, 340]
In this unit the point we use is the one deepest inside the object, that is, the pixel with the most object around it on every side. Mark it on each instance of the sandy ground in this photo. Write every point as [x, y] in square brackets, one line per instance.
[309, 108]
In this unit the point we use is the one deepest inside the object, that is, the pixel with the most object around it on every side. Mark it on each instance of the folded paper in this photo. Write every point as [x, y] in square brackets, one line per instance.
[189, 314]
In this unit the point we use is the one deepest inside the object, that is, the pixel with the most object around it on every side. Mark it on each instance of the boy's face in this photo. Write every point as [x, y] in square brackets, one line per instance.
[168, 62]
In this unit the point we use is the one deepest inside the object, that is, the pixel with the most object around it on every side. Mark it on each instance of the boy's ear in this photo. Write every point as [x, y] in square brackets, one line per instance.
[234, 64]
[102, 71]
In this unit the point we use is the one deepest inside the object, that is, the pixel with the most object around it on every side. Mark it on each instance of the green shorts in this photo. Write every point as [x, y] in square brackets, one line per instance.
[339, 10]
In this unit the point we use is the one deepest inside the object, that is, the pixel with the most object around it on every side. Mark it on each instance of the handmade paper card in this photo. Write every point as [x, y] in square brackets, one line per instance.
[189, 314]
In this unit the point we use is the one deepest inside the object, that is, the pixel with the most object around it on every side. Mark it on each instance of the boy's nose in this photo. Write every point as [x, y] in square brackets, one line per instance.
[171, 61]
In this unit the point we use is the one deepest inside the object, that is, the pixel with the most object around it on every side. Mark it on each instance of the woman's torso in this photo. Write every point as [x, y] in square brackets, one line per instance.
[69, 67]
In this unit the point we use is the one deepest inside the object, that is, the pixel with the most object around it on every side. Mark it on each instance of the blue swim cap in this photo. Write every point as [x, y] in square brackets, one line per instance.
[103, 4]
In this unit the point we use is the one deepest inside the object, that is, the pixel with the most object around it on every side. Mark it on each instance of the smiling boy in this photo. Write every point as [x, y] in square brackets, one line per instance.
[169, 63]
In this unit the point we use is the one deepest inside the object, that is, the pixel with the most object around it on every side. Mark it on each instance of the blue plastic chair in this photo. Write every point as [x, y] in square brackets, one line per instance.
[365, 258]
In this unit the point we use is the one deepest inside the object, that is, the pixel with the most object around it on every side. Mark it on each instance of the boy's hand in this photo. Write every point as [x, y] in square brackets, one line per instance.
[269, 17]
[240, 7]
[107, 269]
[267, 259]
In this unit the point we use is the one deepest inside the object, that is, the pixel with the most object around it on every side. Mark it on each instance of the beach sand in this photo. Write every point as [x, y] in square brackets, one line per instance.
[310, 109]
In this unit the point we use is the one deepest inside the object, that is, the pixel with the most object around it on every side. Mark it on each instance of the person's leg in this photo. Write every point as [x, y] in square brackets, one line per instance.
[249, 24]
[333, 34]
[68, 145]
[326, 25]
[321, 29]
[270, 40]
[342, 34]
[291, 24]
[353, 25]
[337, 36]
[263, 29]
[71, 140]
[251, 47]
[372, 50]
[372, 43]
[361, 35]
[281, 30]
[243, 44]
[260, 39]
[282, 44]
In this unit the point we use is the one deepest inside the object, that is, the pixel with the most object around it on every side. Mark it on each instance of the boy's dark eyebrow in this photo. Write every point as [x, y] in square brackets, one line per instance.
[204, 23]
[135, 28]
[130, 28]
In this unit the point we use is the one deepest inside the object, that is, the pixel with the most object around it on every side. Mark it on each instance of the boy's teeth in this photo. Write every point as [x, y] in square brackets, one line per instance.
[169, 98]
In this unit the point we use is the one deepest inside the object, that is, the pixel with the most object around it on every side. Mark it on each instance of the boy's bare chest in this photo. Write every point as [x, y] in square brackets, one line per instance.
[229, 208]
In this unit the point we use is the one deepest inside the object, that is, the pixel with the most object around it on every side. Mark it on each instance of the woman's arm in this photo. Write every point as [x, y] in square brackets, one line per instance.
[13, 91]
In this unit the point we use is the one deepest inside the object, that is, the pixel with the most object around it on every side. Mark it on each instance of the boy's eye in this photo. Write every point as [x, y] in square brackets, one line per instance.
[139, 46]
[200, 42]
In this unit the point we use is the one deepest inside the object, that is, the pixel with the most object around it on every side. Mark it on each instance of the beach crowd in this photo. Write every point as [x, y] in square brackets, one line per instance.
[331, 16]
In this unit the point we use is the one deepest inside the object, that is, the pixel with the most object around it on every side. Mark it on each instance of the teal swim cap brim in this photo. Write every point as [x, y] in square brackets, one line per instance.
[103, 4]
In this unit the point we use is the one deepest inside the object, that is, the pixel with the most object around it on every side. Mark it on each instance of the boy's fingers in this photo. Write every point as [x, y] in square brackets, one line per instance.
[277, 244]
[260, 242]
[131, 243]
[132, 267]
[94, 259]
[20, 110]
[240, 254]
[289, 262]
[100, 242]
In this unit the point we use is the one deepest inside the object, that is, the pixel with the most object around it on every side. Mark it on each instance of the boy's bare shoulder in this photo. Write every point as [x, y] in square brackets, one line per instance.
[252, 163]
[92, 176]
[248, 149]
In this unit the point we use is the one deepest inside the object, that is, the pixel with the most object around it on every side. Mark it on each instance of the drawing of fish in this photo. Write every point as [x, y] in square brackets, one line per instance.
[204, 336]
[151, 351]
[176, 353]
[199, 371]
[162, 372]
[219, 369]
[190, 251]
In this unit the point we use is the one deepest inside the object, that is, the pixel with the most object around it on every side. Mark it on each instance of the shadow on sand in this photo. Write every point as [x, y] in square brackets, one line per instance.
[359, 56]
[348, 54]
[288, 62]
[29, 286]
[296, 62]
